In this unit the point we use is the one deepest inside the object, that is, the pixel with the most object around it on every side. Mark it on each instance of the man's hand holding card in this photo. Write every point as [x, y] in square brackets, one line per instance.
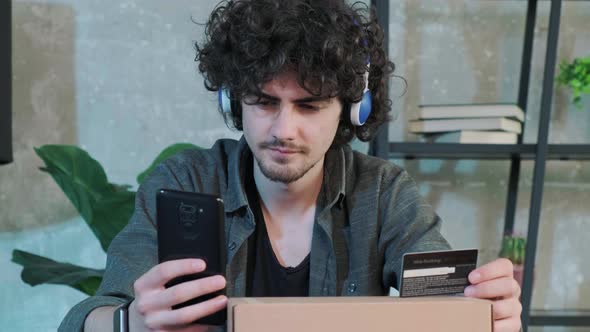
[454, 272]
[495, 281]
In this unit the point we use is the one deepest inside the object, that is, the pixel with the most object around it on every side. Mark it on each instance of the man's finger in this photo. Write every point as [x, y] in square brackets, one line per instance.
[499, 268]
[507, 325]
[189, 290]
[186, 315]
[492, 289]
[160, 274]
[507, 308]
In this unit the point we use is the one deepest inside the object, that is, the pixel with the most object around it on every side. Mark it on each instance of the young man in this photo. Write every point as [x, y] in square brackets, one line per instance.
[305, 215]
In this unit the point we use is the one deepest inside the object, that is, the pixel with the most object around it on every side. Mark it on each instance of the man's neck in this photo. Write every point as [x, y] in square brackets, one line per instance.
[290, 199]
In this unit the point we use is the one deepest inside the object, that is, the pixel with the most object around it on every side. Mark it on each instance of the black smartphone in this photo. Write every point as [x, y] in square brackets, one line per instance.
[191, 225]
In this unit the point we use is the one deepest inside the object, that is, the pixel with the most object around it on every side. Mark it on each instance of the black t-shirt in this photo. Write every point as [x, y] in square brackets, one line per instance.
[267, 276]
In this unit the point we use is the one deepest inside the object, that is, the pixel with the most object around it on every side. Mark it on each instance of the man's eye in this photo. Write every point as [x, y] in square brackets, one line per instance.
[266, 103]
[309, 107]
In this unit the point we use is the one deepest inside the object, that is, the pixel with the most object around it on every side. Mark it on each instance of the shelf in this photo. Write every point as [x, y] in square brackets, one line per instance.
[569, 152]
[560, 318]
[403, 150]
[513, 153]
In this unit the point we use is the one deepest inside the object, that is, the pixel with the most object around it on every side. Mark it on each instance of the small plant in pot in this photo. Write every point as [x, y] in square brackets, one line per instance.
[576, 76]
[513, 248]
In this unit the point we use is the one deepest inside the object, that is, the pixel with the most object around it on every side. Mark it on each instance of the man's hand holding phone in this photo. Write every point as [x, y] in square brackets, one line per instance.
[190, 229]
[152, 308]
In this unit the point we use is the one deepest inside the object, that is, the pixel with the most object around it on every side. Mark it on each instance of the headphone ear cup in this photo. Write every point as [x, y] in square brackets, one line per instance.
[224, 100]
[359, 112]
[354, 114]
[366, 107]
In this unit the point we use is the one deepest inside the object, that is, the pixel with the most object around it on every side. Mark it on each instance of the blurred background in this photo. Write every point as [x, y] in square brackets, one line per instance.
[119, 80]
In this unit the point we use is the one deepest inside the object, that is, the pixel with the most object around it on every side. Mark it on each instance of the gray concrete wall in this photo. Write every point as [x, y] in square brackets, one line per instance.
[119, 80]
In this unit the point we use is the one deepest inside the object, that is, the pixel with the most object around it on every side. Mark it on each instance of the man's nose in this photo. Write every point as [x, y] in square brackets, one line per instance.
[284, 126]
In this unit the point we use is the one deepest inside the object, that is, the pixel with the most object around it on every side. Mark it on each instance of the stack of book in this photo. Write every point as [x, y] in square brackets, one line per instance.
[470, 124]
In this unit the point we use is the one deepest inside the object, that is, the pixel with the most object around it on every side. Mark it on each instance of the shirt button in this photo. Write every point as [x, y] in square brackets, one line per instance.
[351, 287]
[232, 246]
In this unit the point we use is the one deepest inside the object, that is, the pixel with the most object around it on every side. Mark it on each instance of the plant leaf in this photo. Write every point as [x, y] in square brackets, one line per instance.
[105, 207]
[111, 214]
[576, 76]
[40, 270]
[167, 153]
[576, 83]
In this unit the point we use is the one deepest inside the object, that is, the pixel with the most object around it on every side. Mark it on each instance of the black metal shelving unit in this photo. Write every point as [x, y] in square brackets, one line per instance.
[541, 152]
[6, 79]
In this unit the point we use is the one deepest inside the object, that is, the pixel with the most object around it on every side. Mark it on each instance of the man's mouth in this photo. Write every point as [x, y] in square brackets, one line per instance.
[283, 150]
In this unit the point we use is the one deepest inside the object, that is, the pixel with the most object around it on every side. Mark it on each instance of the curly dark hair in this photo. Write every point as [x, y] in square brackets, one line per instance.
[326, 42]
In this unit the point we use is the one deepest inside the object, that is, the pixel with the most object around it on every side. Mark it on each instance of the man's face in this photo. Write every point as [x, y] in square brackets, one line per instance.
[289, 130]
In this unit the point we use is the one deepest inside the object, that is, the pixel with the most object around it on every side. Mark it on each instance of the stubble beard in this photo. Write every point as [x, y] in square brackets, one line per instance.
[282, 169]
[283, 173]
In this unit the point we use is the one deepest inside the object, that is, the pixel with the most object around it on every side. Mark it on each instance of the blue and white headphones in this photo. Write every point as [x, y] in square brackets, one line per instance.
[224, 100]
[359, 112]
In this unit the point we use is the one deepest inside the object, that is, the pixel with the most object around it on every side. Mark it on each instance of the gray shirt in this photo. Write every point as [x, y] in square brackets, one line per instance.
[368, 214]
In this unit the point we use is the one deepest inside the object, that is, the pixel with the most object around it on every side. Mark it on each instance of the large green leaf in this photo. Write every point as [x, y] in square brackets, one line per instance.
[40, 270]
[105, 207]
[167, 153]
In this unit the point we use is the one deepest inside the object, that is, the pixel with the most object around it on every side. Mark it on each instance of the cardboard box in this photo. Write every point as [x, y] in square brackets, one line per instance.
[354, 314]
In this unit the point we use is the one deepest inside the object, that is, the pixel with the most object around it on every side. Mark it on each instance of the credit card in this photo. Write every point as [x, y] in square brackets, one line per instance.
[436, 272]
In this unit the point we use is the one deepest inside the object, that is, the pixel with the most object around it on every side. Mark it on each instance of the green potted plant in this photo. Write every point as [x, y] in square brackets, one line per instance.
[576, 75]
[104, 206]
[513, 248]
